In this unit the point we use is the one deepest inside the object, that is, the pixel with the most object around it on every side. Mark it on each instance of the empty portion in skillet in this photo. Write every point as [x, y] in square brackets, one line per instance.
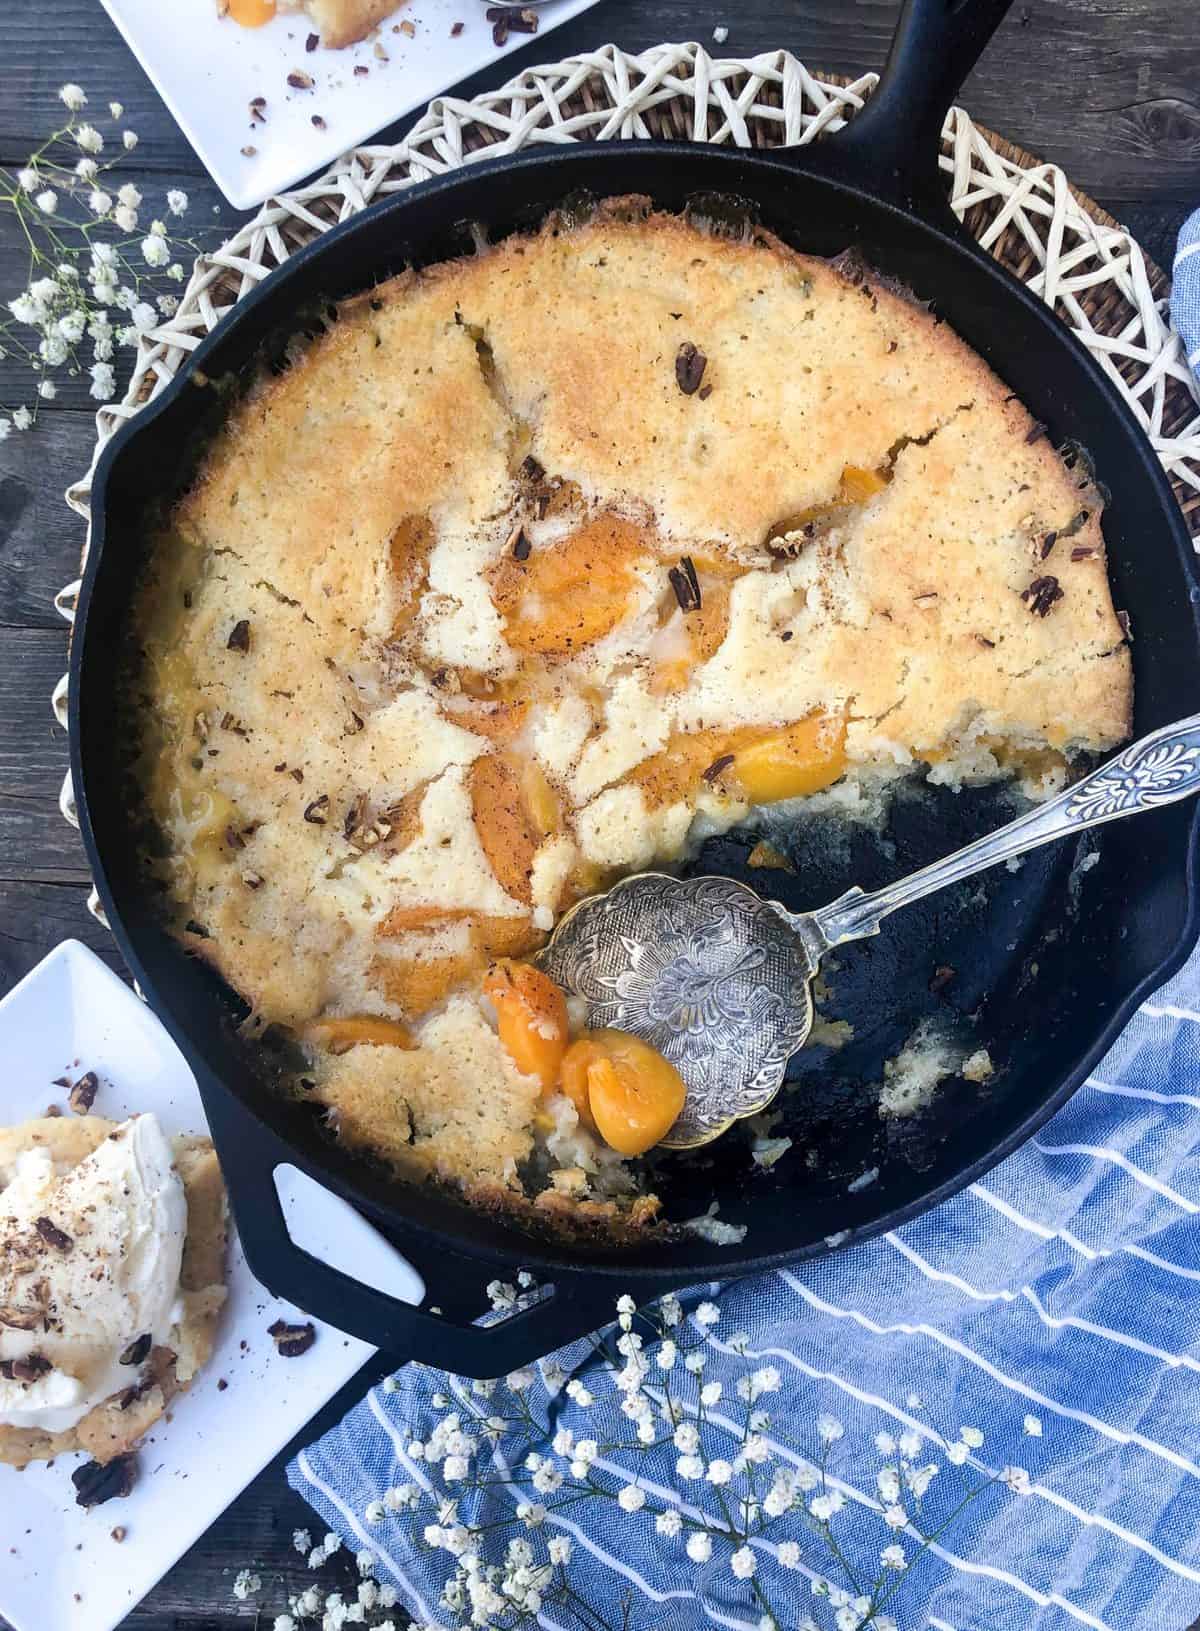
[541, 566]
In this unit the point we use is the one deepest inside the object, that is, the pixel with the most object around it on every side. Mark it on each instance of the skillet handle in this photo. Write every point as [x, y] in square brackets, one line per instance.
[249, 1151]
[893, 145]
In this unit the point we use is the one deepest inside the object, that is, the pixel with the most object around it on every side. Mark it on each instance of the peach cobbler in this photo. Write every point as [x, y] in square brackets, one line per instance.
[530, 569]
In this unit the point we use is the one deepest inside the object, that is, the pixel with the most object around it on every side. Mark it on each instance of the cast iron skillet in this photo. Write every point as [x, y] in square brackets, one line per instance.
[1049, 962]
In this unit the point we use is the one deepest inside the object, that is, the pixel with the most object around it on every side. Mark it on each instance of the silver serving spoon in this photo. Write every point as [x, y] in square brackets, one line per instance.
[718, 980]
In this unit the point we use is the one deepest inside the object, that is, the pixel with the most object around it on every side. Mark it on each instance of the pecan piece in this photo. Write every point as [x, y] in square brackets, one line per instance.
[83, 1093]
[239, 636]
[1042, 594]
[292, 1340]
[690, 363]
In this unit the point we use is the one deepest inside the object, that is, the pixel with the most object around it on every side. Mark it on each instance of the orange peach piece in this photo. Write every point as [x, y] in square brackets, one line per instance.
[340, 1033]
[633, 1093]
[531, 1015]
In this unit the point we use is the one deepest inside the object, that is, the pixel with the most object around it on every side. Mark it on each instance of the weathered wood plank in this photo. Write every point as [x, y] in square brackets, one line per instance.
[40, 538]
[33, 756]
[1109, 92]
[35, 917]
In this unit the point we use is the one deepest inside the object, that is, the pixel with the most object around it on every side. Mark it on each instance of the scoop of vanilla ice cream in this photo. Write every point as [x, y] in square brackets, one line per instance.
[89, 1263]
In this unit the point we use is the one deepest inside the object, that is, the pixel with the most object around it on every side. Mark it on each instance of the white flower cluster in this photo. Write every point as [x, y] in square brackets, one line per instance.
[739, 1484]
[89, 291]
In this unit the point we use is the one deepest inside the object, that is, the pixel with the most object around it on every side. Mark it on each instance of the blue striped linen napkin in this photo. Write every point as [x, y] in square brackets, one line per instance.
[1185, 294]
[1054, 1306]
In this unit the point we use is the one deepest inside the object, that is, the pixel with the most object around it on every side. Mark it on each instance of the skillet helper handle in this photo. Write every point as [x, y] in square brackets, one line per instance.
[249, 1151]
[1159, 769]
[893, 145]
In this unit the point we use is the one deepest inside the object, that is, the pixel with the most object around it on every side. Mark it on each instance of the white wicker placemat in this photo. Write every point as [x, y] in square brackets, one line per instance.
[1025, 212]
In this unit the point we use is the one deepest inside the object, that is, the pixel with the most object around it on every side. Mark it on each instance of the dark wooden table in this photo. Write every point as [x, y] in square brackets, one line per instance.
[1111, 93]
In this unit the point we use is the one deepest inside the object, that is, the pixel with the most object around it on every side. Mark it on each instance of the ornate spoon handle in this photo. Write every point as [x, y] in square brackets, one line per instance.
[1159, 769]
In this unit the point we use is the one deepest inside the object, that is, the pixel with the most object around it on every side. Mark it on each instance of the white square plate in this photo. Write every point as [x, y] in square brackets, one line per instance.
[60, 1569]
[207, 70]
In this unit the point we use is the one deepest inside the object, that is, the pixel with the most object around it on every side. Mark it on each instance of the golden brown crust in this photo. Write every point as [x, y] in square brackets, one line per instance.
[446, 546]
[107, 1430]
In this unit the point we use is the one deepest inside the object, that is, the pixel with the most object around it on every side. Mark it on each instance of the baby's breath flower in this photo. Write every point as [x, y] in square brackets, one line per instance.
[885, 1444]
[563, 1441]
[28, 179]
[971, 1436]
[666, 1355]
[631, 1498]
[99, 202]
[285, 1622]
[957, 1454]
[374, 1512]
[531, 1513]
[669, 1523]
[47, 390]
[547, 1479]
[53, 350]
[1016, 1478]
[125, 218]
[368, 1593]
[687, 1466]
[582, 1396]
[719, 1472]
[695, 1362]
[25, 308]
[391, 1385]
[5, 429]
[129, 196]
[22, 418]
[910, 1444]
[71, 326]
[1032, 1427]
[699, 1546]
[559, 1550]
[919, 1479]
[671, 1310]
[47, 201]
[520, 1380]
[892, 1557]
[88, 139]
[332, 1543]
[129, 140]
[895, 1517]
[687, 1437]
[743, 1563]
[887, 1480]
[115, 109]
[756, 1450]
[71, 96]
[913, 1402]
[829, 1429]
[316, 1558]
[824, 1507]
[708, 1314]
[626, 1304]
[710, 1394]
[789, 1554]
[246, 1585]
[86, 169]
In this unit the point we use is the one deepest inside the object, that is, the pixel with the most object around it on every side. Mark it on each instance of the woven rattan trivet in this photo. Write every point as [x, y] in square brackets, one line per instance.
[1025, 212]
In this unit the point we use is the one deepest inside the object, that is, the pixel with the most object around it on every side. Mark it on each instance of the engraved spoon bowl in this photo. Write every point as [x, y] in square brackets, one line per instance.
[719, 980]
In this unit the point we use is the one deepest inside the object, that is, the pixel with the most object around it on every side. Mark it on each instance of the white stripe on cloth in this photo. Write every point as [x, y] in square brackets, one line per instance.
[1143, 1093]
[370, 1542]
[1123, 1161]
[1117, 1434]
[1055, 1321]
[1010, 1212]
[1095, 1520]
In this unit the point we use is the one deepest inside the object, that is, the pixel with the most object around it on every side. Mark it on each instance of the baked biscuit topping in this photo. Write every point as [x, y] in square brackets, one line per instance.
[496, 592]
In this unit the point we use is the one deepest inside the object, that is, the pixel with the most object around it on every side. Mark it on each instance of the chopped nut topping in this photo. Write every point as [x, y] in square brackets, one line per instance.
[1035, 433]
[137, 1351]
[686, 585]
[982, 640]
[926, 599]
[313, 811]
[119, 1533]
[299, 80]
[408, 28]
[521, 547]
[252, 880]
[1042, 594]
[704, 392]
[292, 1340]
[317, 122]
[1126, 625]
[690, 364]
[718, 765]
[1085, 552]
[381, 53]
[53, 1235]
[356, 725]
[19, 1319]
[83, 1094]
[239, 636]
[456, 29]
[27, 1369]
[258, 109]
[234, 838]
[511, 19]
[361, 70]
[312, 42]
[1047, 544]
[96, 1483]
[249, 151]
